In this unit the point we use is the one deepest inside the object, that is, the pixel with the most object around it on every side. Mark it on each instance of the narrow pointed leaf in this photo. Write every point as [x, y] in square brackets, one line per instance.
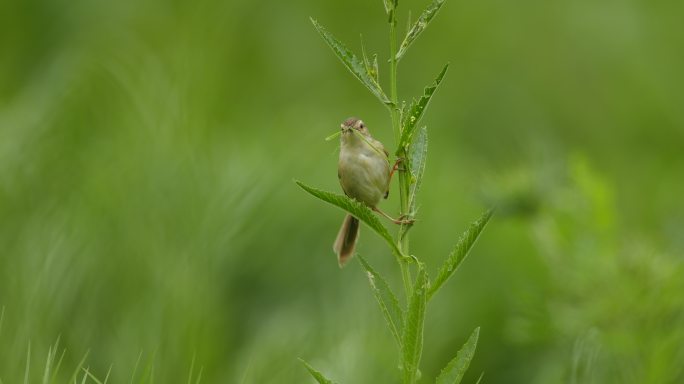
[415, 110]
[371, 66]
[366, 62]
[459, 253]
[357, 209]
[417, 159]
[419, 26]
[412, 338]
[408, 22]
[375, 68]
[389, 305]
[479, 378]
[454, 371]
[389, 5]
[316, 375]
[352, 62]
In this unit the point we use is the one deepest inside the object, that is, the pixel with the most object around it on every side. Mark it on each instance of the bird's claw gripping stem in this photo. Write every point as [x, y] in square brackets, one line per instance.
[396, 167]
[401, 220]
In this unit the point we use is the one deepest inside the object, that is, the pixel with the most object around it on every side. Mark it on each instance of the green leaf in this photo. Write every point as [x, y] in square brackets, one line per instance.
[316, 375]
[371, 67]
[375, 69]
[415, 110]
[417, 159]
[412, 338]
[389, 305]
[419, 26]
[459, 253]
[454, 371]
[358, 210]
[389, 5]
[353, 63]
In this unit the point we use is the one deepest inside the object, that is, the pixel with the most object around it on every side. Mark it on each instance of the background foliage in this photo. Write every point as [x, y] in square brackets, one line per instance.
[147, 151]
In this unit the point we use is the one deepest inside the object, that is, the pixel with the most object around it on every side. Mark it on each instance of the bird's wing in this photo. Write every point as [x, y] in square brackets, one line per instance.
[339, 177]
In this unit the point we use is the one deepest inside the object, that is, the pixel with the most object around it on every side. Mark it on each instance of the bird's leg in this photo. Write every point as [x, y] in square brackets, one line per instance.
[396, 167]
[399, 221]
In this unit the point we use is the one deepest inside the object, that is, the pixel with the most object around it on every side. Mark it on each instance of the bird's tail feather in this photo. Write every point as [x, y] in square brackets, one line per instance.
[346, 239]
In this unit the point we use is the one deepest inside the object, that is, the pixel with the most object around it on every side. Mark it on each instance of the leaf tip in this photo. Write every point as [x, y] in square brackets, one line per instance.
[488, 215]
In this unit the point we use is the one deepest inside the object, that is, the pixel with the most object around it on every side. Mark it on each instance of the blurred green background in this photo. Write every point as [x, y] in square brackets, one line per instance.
[147, 209]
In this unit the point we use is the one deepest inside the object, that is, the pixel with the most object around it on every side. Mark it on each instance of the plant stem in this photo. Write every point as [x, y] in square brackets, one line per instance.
[394, 111]
[393, 80]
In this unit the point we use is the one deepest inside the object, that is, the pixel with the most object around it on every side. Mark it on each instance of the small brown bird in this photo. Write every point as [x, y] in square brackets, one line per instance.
[365, 173]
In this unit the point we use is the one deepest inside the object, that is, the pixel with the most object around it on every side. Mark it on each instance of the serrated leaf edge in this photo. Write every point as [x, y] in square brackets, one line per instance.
[316, 374]
[415, 110]
[412, 336]
[374, 278]
[361, 212]
[419, 26]
[460, 251]
[461, 362]
[352, 63]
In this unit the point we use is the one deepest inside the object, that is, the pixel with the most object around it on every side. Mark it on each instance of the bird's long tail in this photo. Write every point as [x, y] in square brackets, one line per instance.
[346, 239]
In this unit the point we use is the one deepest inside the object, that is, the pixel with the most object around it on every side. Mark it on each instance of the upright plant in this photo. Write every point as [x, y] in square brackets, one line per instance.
[405, 323]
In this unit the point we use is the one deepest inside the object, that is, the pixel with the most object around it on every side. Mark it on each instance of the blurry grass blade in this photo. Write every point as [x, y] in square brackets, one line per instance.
[419, 26]
[459, 253]
[417, 159]
[355, 208]
[135, 367]
[49, 377]
[389, 305]
[412, 337]
[58, 366]
[199, 376]
[479, 379]
[48, 364]
[87, 373]
[192, 367]
[28, 364]
[148, 373]
[454, 371]
[415, 110]
[78, 367]
[316, 375]
[109, 371]
[353, 64]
